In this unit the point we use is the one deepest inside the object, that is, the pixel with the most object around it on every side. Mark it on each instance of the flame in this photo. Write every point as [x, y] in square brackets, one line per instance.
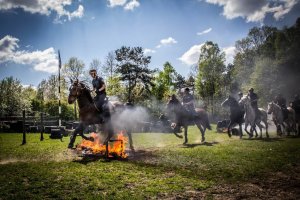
[116, 147]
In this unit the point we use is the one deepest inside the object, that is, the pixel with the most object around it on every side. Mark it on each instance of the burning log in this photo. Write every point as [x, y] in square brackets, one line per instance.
[115, 148]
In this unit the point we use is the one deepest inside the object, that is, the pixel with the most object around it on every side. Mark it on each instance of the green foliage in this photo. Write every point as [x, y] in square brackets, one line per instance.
[115, 88]
[67, 111]
[210, 78]
[268, 60]
[11, 100]
[167, 82]
[132, 68]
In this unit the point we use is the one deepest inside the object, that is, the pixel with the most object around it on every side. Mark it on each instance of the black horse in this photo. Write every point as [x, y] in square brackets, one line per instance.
[90, 114]
[180, 117]
[236, 114]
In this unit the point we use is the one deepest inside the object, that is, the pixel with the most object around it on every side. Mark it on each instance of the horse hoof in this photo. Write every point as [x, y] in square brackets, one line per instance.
[185, 142]
[229, 135]
[132, 148]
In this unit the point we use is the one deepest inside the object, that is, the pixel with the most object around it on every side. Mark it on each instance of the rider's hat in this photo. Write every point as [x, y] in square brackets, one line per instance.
[251, 90]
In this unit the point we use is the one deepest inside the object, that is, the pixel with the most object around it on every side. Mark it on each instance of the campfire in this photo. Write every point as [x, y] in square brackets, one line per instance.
[115, 148]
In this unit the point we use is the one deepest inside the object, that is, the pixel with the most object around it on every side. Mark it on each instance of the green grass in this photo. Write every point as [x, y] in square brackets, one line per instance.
[161, 168]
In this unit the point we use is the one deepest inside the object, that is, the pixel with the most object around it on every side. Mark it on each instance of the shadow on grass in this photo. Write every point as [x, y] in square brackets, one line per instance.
[199, 144]
[265, 139]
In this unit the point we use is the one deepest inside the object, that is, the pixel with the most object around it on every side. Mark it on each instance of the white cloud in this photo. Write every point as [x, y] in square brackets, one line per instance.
[44, 7]
[45, 60]
[254, 10]
[113, 3]
[205, 31]
[229, 54]
[191, 57]
[131, 5]
[167, 41]
[148, 51]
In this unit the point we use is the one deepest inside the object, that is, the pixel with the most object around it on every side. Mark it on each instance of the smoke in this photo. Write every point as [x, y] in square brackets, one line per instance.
[131, 118]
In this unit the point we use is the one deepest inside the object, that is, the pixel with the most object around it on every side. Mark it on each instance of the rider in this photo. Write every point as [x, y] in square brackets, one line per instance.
[253, 99]
[281, 101]
[99, 87]
[188, 101]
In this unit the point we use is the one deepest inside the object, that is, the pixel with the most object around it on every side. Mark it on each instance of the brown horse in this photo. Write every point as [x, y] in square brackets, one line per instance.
[180, 117]
[89, 114]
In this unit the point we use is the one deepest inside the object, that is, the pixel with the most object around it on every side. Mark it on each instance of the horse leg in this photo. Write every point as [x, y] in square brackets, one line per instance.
[229, 128]
[260, 129]
[246, 126]
[130, 140]
[241, 131]
[185, 134]
[78, 130]
[202, 130]
[267, 126]
[109, 130]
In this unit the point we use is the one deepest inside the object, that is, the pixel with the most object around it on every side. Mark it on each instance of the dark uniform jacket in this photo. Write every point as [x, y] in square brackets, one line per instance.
[98, 82]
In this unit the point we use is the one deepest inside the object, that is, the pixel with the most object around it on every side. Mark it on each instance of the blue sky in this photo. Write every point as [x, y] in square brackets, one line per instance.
[169, 30]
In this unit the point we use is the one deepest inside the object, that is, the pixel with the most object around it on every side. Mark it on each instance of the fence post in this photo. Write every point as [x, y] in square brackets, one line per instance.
[24, 129]
[42, 126]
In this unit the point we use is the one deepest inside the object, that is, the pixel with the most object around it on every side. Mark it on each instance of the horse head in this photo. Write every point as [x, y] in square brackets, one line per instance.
[76, 90]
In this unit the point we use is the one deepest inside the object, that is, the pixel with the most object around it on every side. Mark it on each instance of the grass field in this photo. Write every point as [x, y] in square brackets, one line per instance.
[161, 168]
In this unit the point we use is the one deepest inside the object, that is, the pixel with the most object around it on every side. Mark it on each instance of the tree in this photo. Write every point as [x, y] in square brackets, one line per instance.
[211, 72]
[73, 69]
[167, 82]
[110, 65]
[132, 67]
[11, 100]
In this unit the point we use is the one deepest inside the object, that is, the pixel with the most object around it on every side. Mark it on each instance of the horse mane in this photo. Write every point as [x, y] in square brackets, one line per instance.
[87, 91]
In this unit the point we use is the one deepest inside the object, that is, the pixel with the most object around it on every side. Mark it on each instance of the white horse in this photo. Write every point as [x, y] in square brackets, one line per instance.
[252, 120]
[278, 118]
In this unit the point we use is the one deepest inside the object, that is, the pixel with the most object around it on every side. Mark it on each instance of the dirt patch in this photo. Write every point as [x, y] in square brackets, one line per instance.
[278, 185]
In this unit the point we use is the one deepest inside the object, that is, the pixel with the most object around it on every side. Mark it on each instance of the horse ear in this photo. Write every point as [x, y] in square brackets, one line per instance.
[71, 80]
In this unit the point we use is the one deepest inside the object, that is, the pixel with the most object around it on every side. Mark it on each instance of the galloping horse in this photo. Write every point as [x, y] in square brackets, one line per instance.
[278, 118]
[251, 119]
[89, 114]
[236, 114]
[180, 117]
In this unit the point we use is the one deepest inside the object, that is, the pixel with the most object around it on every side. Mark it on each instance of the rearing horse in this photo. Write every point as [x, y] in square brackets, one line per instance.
[180, 117]
[236, 114]
[89, 114]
